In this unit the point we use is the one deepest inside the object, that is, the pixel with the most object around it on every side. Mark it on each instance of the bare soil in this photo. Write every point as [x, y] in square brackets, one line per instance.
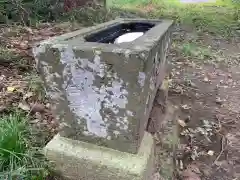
[209, 92]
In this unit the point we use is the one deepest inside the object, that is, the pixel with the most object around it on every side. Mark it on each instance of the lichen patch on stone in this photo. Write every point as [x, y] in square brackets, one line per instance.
[141, 78]
[89, 99]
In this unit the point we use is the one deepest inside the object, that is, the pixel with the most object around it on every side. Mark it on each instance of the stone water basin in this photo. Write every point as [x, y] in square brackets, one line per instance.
[102, 91]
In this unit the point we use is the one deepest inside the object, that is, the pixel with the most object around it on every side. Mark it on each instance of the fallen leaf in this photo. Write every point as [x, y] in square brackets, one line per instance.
[38, 115]
[182, 123]
[48, 105]
[181, 164]
[24, 106]
[187, 119]
[178, 90]
[34, 121]
[2, 109]
[186, 107]
[44, 122]
[28, 95]
[192, 84]
[11, 89]
[37, 107]
[24, 45]
[54, 124]
[219, 100]
[2, 77]
[194, 153]
[194, 168]
[157, 176]
[29, 30]
[206, 79]
[210, 153]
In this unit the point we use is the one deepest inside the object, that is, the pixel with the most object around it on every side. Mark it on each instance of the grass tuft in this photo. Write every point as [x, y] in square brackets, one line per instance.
[9, 57]
[35, 85]
[18, 158]
[196, 51]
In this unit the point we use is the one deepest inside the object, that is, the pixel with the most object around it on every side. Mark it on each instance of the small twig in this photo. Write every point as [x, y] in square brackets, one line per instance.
[219, 123]
[31, 109]
[230, 121]
[222, 150]
[207, 138]
[191, 88]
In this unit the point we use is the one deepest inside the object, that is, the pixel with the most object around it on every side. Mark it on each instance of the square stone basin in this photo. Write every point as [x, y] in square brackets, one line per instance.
[103, 92]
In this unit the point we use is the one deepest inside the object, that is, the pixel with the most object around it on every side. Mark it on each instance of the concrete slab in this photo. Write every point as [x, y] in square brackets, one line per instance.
[78, 160]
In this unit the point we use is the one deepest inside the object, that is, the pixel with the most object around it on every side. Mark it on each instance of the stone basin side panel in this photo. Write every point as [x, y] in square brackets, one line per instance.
[155, 68]
[96, 96]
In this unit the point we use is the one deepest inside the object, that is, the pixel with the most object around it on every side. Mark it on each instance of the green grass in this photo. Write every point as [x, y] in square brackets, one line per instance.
[8, 56]
[35, 85]
[195, 51]
[89, 16]
[18, 158]
[220, 18]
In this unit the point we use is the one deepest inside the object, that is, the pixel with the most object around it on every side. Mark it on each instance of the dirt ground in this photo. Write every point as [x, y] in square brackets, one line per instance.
[206, 90]
[208, 93]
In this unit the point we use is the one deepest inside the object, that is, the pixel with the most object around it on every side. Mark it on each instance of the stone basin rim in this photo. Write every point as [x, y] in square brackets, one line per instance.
[143, 43]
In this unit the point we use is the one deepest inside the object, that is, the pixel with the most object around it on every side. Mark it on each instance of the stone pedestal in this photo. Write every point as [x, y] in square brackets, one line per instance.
[77, 160]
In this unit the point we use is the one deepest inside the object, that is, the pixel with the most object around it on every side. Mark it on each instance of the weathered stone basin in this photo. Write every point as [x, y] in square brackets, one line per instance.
[103, 92]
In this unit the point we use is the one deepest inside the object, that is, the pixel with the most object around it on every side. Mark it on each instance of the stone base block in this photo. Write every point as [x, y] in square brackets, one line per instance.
[76, 160]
